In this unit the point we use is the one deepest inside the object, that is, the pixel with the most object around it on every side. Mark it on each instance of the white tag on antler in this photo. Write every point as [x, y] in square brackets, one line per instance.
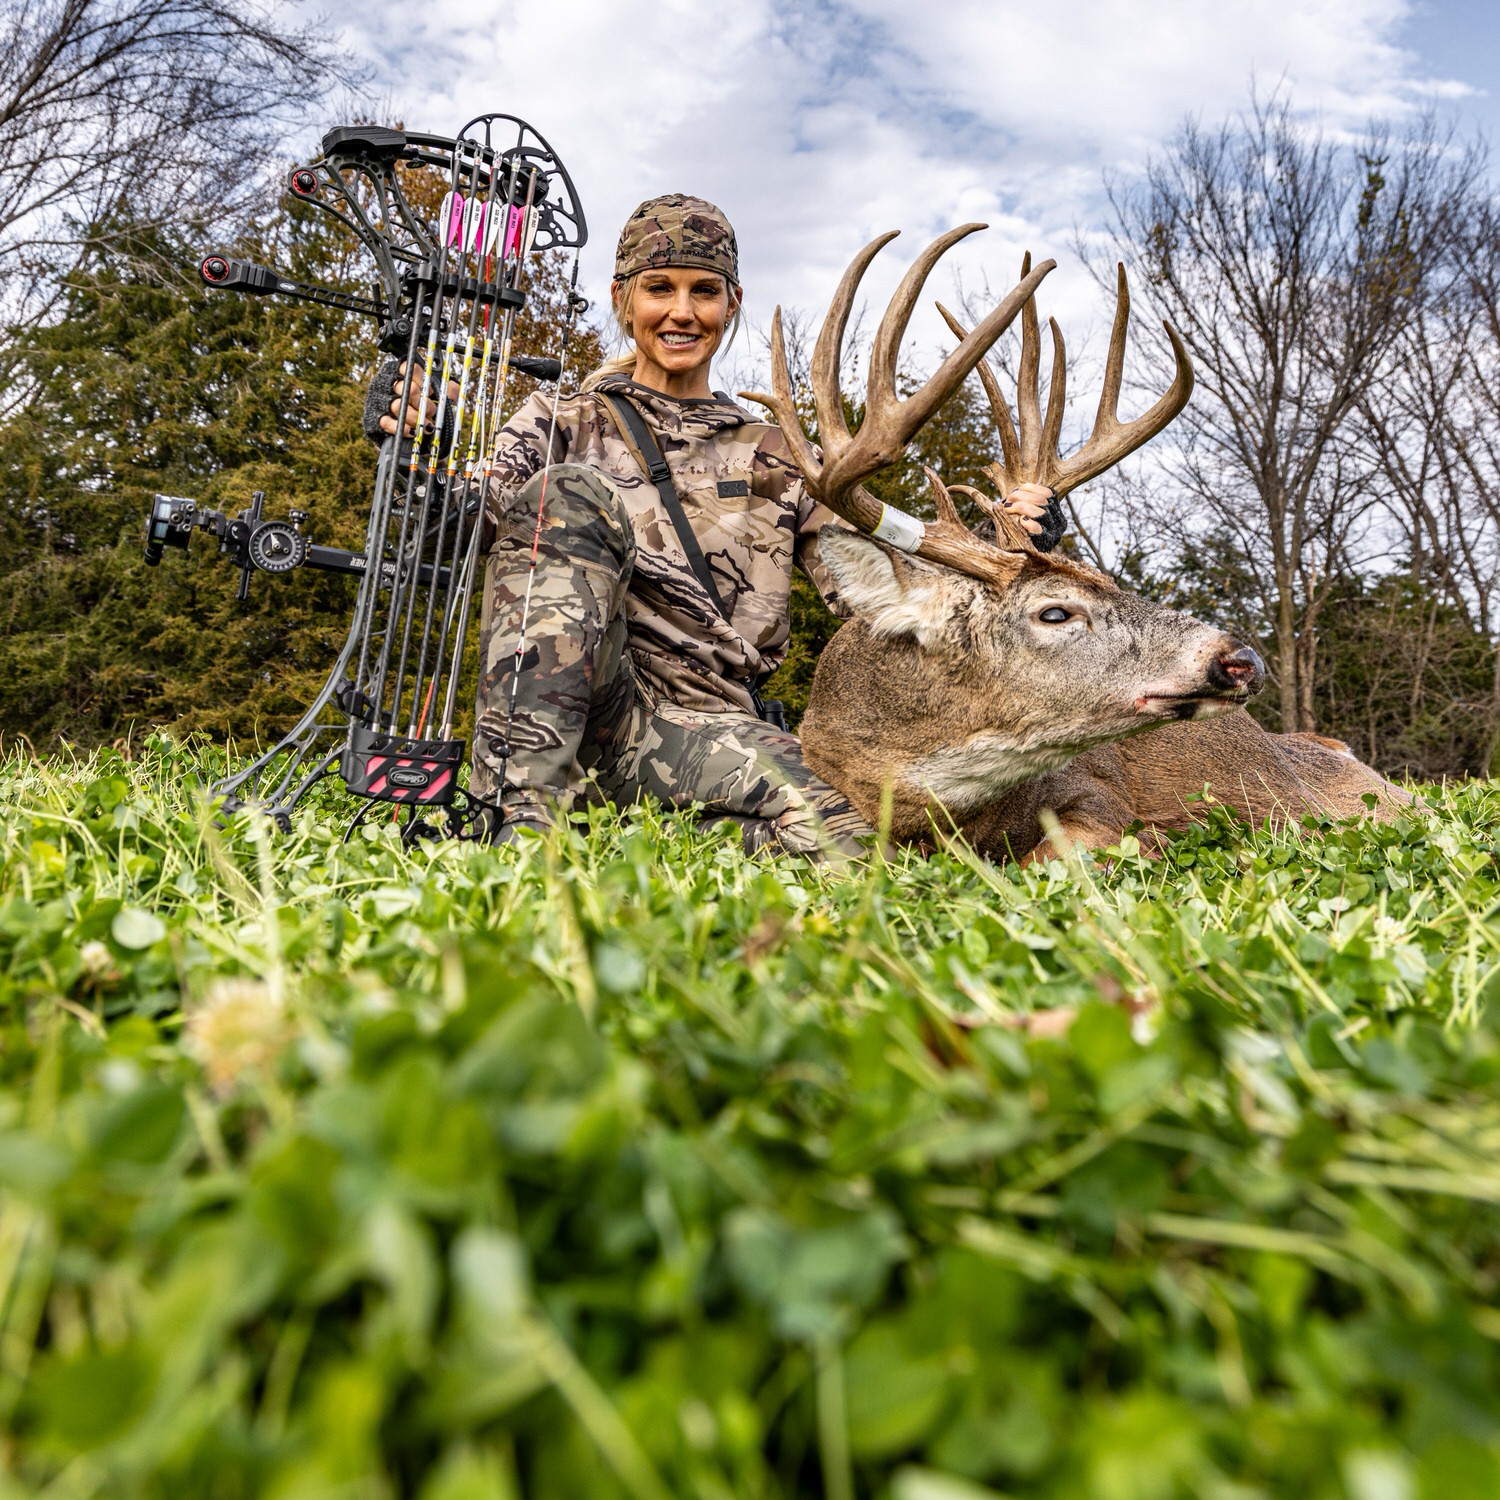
[899, 529]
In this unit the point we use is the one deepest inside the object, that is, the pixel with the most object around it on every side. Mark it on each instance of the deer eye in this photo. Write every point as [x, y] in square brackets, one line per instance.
[1055, 614]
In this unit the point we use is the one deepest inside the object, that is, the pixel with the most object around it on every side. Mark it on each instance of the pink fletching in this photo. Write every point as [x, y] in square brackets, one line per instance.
[494, 224]
[452, 217]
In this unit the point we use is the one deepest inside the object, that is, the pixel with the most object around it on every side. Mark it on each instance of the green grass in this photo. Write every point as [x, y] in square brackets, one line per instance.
[626, 1166]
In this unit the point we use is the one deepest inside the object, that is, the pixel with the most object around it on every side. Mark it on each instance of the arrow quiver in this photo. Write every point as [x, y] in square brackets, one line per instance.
[445, 300]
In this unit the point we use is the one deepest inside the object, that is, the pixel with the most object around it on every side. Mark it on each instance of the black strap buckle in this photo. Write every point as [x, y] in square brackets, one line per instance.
[770, 711]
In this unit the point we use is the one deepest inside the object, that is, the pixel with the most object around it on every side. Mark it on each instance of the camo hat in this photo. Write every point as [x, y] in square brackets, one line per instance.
[677, 230]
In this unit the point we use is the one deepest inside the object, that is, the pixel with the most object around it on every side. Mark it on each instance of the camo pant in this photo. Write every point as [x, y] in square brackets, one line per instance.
[581, 714]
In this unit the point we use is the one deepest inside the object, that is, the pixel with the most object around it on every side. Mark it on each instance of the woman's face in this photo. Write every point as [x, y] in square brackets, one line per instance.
[677, 318]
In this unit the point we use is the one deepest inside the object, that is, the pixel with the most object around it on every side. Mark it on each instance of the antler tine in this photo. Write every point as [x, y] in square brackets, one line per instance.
[1108, 412]
[1111, 439]
[960, 364]
[1028, 389]
[1057, 396]
[946, 509]
[781, 403]
[1027, 460]
[885, 353]
[1031, 456]
[999, 409]
[989, 506]
[828, 351]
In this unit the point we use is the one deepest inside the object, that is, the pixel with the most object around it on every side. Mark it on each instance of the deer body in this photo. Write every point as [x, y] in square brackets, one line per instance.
[1159, 779]
[979, 707]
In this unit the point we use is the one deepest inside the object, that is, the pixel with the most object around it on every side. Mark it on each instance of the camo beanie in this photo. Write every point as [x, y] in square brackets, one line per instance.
[677, 230]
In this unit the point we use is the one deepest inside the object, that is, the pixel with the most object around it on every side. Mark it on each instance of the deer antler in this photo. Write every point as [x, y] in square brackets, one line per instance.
[890, 422]
[1032, 456]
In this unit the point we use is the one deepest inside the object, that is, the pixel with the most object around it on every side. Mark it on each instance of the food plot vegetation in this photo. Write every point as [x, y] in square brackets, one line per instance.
[625, 1166]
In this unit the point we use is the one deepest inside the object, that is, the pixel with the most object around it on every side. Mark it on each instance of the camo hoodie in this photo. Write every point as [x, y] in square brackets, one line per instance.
[744, 497]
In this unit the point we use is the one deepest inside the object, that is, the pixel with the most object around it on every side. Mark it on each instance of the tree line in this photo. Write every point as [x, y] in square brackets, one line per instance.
[1332, 492]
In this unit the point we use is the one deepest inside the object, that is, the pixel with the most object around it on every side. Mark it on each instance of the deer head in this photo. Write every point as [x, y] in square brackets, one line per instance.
[951, 689]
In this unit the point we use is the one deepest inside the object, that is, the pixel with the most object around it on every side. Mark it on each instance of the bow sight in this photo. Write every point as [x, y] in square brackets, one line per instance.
[449, 287]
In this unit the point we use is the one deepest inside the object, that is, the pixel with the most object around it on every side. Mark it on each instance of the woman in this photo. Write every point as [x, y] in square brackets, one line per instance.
[658, 607]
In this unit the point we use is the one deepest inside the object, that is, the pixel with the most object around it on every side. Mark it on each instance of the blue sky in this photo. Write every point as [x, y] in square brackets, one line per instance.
[817, 125]
[1460, 39]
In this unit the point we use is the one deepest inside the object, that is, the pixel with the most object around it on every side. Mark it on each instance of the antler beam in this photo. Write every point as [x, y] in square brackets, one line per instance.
[847, 458]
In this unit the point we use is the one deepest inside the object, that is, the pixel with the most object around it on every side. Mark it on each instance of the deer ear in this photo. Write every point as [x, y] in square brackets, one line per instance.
[894, 594]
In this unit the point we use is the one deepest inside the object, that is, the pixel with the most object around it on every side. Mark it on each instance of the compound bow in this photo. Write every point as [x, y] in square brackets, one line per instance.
[447, 299]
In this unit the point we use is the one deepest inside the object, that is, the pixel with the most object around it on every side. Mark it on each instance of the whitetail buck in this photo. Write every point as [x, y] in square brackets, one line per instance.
[981, 683]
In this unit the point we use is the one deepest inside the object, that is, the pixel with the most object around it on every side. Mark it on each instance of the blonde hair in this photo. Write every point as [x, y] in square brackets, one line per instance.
[624, 363]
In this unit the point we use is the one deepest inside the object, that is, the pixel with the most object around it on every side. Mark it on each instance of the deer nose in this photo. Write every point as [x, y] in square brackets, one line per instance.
[1240, 671]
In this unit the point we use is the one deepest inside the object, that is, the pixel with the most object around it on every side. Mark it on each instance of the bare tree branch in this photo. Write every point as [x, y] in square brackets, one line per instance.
[120, 115]
[1293, 268]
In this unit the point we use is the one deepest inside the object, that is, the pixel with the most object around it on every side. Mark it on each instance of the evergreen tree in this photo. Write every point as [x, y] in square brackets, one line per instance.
[144, 387]
[141, 387]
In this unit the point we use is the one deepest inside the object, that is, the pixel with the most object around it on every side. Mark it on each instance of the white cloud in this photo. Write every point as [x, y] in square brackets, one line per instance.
[818, 125]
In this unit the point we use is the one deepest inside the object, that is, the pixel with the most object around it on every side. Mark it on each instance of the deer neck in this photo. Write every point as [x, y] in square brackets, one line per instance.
[881, 718]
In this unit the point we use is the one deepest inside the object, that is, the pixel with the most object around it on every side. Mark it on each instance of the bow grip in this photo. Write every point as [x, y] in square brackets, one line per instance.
[384, 388]
[379, 397]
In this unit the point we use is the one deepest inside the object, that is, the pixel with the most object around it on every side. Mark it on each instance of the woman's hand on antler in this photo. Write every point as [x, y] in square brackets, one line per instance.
[1030, 502]
[1040, 511]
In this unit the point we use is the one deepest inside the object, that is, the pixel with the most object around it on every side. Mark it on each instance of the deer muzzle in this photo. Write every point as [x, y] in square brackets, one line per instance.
[1239, 673]
[1228, 674]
